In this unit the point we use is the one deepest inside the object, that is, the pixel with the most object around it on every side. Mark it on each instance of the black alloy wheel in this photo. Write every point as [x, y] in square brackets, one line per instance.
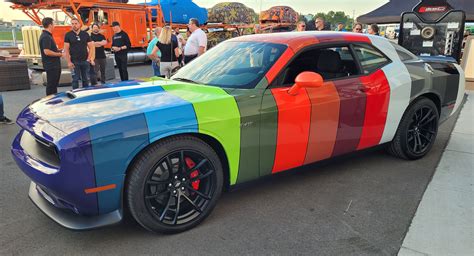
[422, 130]
[174, 184]
[417, 130]
[177, 190]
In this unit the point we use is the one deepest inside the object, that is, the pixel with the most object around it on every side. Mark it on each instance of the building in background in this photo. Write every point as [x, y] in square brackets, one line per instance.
[22, 23]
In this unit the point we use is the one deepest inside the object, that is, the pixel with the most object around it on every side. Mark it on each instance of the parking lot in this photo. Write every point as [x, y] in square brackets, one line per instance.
[357, 204]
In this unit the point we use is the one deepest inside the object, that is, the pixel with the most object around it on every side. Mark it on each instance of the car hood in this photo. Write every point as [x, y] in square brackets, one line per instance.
[74, 110]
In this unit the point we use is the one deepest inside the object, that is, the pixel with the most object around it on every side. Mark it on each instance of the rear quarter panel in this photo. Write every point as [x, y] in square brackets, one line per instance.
[446, 81]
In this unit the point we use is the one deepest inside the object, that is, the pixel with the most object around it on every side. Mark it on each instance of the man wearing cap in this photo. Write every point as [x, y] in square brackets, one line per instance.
[120, 45]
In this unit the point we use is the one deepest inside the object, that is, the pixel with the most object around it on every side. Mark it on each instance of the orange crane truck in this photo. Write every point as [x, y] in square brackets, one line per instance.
[134, 19]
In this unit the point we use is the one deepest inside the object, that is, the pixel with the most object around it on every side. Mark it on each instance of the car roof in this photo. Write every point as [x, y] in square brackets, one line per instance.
[298, 40]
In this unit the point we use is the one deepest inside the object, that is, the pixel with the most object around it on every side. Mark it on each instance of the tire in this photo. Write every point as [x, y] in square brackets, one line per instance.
[153, 195]
[417, 130]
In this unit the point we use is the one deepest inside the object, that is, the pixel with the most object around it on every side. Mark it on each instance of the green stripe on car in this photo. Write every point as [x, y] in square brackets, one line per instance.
[217, 115]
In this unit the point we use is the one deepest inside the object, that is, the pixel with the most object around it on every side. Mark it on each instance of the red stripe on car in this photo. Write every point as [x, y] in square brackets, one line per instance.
[294, 115]
[377, 92]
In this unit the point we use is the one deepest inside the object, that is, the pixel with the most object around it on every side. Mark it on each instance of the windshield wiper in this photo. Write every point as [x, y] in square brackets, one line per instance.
[185, 80]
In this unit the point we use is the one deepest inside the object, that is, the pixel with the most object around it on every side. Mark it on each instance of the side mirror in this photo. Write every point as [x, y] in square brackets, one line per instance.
[306, 79]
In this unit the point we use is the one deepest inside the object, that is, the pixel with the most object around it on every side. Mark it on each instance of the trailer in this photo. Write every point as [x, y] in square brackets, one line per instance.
[136, 20]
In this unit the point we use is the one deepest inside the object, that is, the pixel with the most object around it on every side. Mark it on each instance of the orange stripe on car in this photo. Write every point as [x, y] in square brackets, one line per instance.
[324, 122]
[100, 189]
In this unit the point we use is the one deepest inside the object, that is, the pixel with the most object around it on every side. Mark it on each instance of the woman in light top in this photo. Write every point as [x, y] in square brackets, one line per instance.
[168, 46]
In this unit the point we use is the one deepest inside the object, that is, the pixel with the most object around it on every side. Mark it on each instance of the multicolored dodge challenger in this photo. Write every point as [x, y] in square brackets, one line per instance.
[250, 107]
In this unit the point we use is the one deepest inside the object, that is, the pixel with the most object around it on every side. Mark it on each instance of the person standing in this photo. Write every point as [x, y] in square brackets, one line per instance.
[50, 56]
[168, 46]
[300, 26]
[155, 63]
[340, 27]
[79, 51]
[3, 118]
[320, 24]
[373, 29]
[257, 29]
[100, 60]
[196, 43]
[181, 43]
[120, 46]
[357, 28]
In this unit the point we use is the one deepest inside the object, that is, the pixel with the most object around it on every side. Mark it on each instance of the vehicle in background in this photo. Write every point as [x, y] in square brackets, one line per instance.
[136, 20]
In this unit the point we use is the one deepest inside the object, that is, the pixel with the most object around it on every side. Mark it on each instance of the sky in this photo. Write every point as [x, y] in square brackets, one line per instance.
[359, 7]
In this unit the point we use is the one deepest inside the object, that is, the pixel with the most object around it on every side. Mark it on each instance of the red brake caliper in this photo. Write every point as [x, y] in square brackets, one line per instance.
[190, 163]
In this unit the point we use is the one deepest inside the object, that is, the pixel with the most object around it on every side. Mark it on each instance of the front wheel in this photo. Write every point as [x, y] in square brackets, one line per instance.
[417, 130]
[174, 184]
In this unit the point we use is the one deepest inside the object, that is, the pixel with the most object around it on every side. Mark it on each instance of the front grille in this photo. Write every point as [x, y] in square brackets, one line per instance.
[40, 149]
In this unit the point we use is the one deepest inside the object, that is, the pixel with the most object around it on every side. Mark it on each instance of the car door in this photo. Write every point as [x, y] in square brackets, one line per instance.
[303, 126]
[338, 107]
[319, 123]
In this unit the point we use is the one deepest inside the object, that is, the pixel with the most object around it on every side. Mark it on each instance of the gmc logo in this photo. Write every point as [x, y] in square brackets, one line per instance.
[432, 9]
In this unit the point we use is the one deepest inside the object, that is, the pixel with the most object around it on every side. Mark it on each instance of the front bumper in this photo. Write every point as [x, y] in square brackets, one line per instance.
[68, 219]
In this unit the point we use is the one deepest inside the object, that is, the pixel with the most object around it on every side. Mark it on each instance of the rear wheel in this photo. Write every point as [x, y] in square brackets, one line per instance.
[417, 131]
[174, 184]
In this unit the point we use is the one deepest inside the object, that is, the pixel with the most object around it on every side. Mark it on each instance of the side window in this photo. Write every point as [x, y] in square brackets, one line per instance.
[330, 63]
[403, 53]
[370, 58]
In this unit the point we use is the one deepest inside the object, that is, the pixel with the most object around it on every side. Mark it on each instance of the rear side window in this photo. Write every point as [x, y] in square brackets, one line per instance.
[403, 53]
[370, 58]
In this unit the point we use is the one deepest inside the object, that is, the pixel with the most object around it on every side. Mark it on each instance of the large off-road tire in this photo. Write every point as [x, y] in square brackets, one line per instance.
[417, 130]
[174, 184]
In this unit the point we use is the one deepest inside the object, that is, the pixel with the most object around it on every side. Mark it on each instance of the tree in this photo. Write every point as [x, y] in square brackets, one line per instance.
[333, 18]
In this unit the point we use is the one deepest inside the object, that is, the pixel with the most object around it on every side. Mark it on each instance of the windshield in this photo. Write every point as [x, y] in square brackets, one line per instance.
[232, 64]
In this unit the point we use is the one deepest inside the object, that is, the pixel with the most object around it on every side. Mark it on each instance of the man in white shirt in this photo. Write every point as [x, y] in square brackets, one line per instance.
[196, 43]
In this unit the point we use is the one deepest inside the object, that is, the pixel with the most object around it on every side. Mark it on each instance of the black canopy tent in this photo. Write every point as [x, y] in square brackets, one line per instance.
[391, 11]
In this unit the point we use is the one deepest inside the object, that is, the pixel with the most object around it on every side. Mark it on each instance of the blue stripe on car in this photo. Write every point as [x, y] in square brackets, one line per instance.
[116, 142]
[113, 143]
[164, 121]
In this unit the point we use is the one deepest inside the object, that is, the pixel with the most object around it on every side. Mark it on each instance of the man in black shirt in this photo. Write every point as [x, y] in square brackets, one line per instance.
[100, 58]
[120, 45]
[78, 49]
[50, 56]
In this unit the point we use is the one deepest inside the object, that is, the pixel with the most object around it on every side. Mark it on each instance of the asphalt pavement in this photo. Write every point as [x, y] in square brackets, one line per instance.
[357, 204]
